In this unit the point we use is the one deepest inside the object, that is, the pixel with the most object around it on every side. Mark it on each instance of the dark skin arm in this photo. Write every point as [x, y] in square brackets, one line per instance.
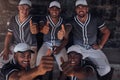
[6, 49]
[23, 75]
[76, 71]
[67, 68]
[105, 35]
[57, 49]
[46, 64]
[64, 32]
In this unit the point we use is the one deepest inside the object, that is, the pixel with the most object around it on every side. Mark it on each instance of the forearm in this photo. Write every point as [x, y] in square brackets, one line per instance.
[29, 75]
[7, 40]
[25, 75]
[57, 49]
[64, 43]
[106, 34]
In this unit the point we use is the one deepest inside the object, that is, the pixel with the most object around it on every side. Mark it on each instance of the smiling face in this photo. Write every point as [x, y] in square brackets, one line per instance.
[54, 12]
[81, 10]
[23, 59]
[74, 58]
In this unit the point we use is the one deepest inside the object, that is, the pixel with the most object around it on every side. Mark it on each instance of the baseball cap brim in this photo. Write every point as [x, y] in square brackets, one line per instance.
[25, 2]
[74, 48]
[26, 51]
[22, 47]
[55, 4]
[81, 2]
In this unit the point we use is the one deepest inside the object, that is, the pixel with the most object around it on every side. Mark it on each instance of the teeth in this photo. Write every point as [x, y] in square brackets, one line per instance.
[25, 62]
[72, 62]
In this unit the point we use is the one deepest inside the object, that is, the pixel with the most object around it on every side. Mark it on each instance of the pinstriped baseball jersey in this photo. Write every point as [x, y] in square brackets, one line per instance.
[74, 78]
[85, 64]
[51, 37]
[10, 67]
[21, 31]
[86, 33]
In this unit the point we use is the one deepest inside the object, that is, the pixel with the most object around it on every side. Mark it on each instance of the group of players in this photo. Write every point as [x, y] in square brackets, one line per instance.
[67, 41]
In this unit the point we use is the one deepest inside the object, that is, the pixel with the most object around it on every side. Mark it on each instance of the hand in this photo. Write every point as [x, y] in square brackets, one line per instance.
[56, 50]
[45, 29]
[80, 75]
[49, 52]
[61, 33]
[46, 63]
[96, 46]
[67, 68]
[33, 27]
[5, 54]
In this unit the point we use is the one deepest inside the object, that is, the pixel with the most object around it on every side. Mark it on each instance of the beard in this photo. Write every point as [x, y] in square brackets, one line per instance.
[82, 14]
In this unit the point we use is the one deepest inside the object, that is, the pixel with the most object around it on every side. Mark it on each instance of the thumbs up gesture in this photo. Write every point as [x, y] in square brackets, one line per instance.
[67, 68]
[33, 27]
[61, 32]
[49, 52]
[45, 28]
[46, 63]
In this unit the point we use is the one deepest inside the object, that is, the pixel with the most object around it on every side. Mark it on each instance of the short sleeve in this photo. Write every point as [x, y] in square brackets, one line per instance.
[10, 24]
[100, 22]
[7, 69]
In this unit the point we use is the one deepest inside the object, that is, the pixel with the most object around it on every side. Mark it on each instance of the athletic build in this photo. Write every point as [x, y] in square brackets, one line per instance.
[51, 39]
[85, 30]
[19, 67]
[19, 31]
[77, 68]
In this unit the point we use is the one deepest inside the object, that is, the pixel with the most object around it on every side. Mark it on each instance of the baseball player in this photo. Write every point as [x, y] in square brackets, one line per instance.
[19, 67]
[53, 39]
[77, 68]
[19, 31]
[85, 30]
